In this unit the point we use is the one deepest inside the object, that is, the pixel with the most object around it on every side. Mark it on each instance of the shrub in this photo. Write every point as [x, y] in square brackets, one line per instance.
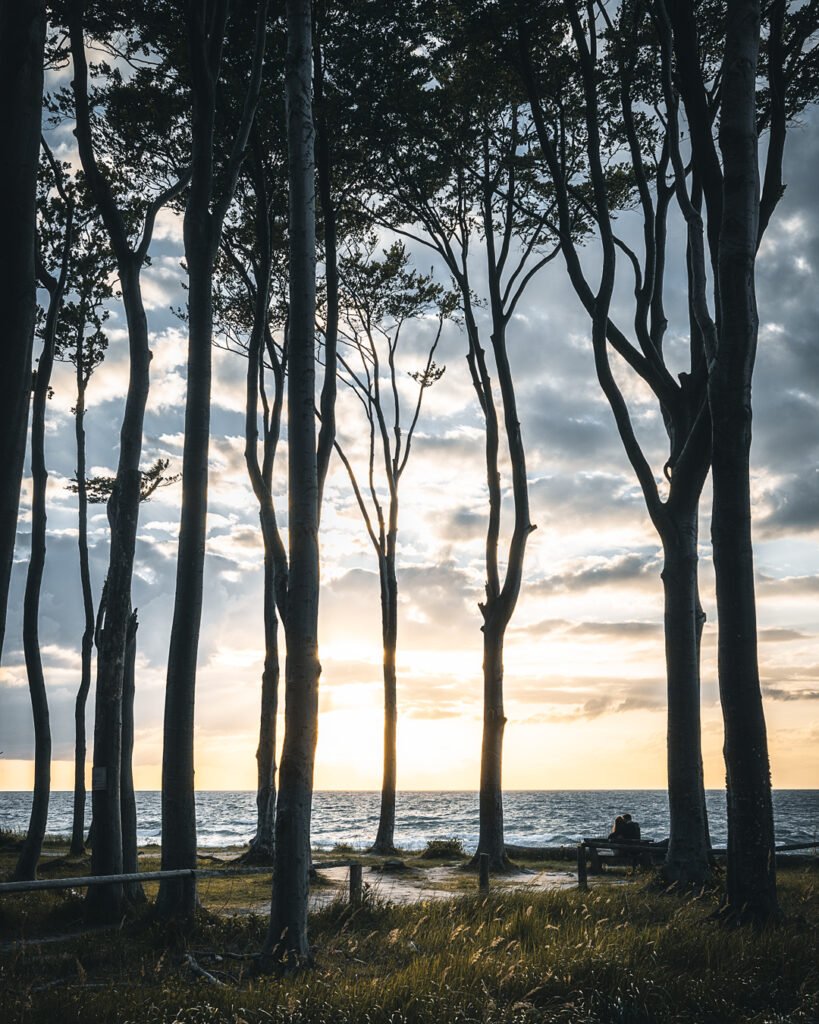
[442, 848]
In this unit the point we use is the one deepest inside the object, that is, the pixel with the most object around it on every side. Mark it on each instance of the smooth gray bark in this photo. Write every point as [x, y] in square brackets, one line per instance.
[22, 40]
[287, 933]
[751, 871]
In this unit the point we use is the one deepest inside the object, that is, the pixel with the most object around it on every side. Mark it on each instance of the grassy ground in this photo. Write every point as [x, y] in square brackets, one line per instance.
[620, 953]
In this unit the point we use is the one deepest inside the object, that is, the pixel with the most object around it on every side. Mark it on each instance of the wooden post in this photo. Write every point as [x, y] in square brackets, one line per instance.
[483, 872]
[582, 874]
[596, 865]
[355, 885]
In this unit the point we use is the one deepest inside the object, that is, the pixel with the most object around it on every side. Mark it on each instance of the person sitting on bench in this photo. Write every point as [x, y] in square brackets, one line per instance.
[630, 831]
[617, 835]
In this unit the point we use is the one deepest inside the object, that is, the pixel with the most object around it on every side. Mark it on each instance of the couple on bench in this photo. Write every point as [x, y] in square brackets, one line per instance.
[626, 830]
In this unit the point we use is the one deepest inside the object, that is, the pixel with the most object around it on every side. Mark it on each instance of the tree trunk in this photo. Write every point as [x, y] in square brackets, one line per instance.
[687, 861]
[30, 854]
[204, 217]
[22, 39]
[262, 846]
[324, 176]
[130, 861]
[104, 902]
[751, 874]
[385, 838]
[490, 839]
[287, 933]
[86, 651]
[177, 897]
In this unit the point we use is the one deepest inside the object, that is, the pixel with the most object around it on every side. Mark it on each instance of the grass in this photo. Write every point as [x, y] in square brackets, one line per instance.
[619, 954]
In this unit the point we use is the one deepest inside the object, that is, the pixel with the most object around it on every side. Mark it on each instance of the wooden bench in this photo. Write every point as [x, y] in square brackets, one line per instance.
[634, 852]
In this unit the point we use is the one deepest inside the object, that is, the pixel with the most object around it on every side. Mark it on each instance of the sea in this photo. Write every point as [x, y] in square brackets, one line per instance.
[531, 818]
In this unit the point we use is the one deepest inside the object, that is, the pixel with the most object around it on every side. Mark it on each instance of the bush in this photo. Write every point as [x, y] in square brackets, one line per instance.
[438, 849]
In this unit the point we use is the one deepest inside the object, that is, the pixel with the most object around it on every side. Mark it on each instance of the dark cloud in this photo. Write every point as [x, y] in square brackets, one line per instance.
[586, 499]
[777, 693]
[625, 630]
[632, 568]
[794, 506]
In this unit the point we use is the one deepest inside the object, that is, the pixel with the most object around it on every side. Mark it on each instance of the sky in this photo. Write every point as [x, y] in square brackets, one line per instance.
[584, 682]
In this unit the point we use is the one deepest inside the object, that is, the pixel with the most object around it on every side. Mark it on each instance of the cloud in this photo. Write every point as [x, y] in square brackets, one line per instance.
[629, 569]
[777, 693]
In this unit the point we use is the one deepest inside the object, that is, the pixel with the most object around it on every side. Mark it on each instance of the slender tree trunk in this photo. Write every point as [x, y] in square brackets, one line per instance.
[177, 897]
[501, 600]
[287, 933]
[490, 839]
[130, 861]
[87, 648]
[275, 558]
[385, 838]
[687, 861]
[104, 902]
[324, 176]
[30, 854]
[204, 217]
[262, 846]
[751, 873]
[22, 39]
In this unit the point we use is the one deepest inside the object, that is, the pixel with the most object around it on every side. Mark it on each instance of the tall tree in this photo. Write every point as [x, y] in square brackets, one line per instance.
[56, 231]
[287, 930]
[82, 340]
[207, 204]
[22, 43]
[380, 298]
[593, 111]
[129, 217]
[463, 179]
[751, 880]
[250, 311]
[727, 168]
[623, 94]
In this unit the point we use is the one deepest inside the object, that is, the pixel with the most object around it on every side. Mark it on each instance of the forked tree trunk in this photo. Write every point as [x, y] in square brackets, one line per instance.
[275, 558]
[385, 837]
[104, 902]
[22, 39]
[751, 871]
[687, 861]
[287, 932]
[501, 599]
[87, 648]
